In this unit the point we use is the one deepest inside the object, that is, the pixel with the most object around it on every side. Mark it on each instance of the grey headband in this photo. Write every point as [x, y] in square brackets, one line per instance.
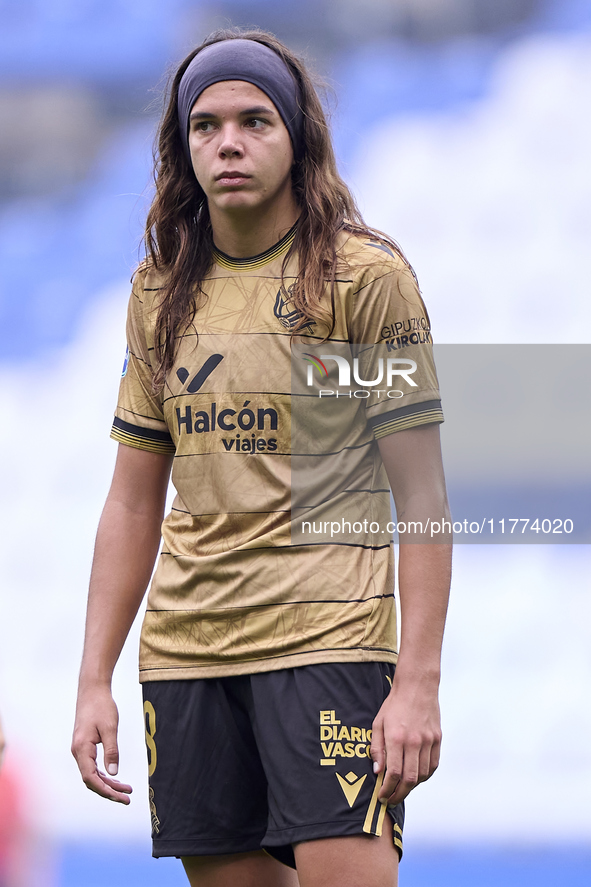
[246, 60]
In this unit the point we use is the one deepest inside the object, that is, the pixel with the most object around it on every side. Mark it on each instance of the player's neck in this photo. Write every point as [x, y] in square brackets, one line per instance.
[243, 234]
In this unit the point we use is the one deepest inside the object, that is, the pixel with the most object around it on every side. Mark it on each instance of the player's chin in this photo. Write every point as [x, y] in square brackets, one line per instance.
[237, 198]
[247, 190]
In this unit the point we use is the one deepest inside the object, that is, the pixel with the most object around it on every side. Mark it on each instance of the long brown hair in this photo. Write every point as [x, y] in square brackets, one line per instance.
[178, 234]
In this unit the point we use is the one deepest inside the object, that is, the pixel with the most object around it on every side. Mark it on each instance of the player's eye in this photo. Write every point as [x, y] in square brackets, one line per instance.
[255, 123]
[204, 126]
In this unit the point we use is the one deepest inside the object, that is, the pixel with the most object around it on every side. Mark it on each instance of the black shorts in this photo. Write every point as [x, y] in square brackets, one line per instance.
[265, 760]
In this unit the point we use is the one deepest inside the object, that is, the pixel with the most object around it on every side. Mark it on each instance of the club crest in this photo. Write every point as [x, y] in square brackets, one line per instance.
[286, 312]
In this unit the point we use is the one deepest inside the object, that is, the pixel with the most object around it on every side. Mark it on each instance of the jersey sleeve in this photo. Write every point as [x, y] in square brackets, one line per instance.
[139, 419]
[391, 332]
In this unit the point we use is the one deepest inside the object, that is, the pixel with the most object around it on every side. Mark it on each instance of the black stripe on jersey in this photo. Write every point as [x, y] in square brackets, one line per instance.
[144, 433]
[358, 600]
[431, 417]
[274, 453]
[367, 491]
[402, 412]
[241, 395]
[239, 265]
[217, 513]
[297, 545]
[273, 511]
[285, 279]
[279, 335]
[140, 443]
[287, 335]
[344, 544]
[138, 431]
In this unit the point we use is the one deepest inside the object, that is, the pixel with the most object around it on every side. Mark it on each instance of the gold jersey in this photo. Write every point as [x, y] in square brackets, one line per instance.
[274, 444]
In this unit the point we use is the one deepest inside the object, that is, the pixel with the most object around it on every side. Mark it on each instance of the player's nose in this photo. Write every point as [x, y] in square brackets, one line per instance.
[230, 142]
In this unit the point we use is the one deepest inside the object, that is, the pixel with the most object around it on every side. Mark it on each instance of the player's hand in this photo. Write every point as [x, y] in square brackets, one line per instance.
[406, 739]
[96, 724]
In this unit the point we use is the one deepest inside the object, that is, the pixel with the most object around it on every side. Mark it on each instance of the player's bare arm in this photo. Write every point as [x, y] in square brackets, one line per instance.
[407, 733]
[127, 542]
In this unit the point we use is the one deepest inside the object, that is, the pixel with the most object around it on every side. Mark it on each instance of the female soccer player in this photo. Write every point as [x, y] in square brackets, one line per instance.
[279, 359]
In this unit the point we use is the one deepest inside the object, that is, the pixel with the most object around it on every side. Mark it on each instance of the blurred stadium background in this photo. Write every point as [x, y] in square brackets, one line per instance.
[464, 128]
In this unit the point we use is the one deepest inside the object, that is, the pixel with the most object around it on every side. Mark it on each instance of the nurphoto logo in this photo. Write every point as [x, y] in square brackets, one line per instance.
[394, 366]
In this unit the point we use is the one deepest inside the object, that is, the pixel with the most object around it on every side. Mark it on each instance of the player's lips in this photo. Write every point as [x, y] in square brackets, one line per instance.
[232, 177]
